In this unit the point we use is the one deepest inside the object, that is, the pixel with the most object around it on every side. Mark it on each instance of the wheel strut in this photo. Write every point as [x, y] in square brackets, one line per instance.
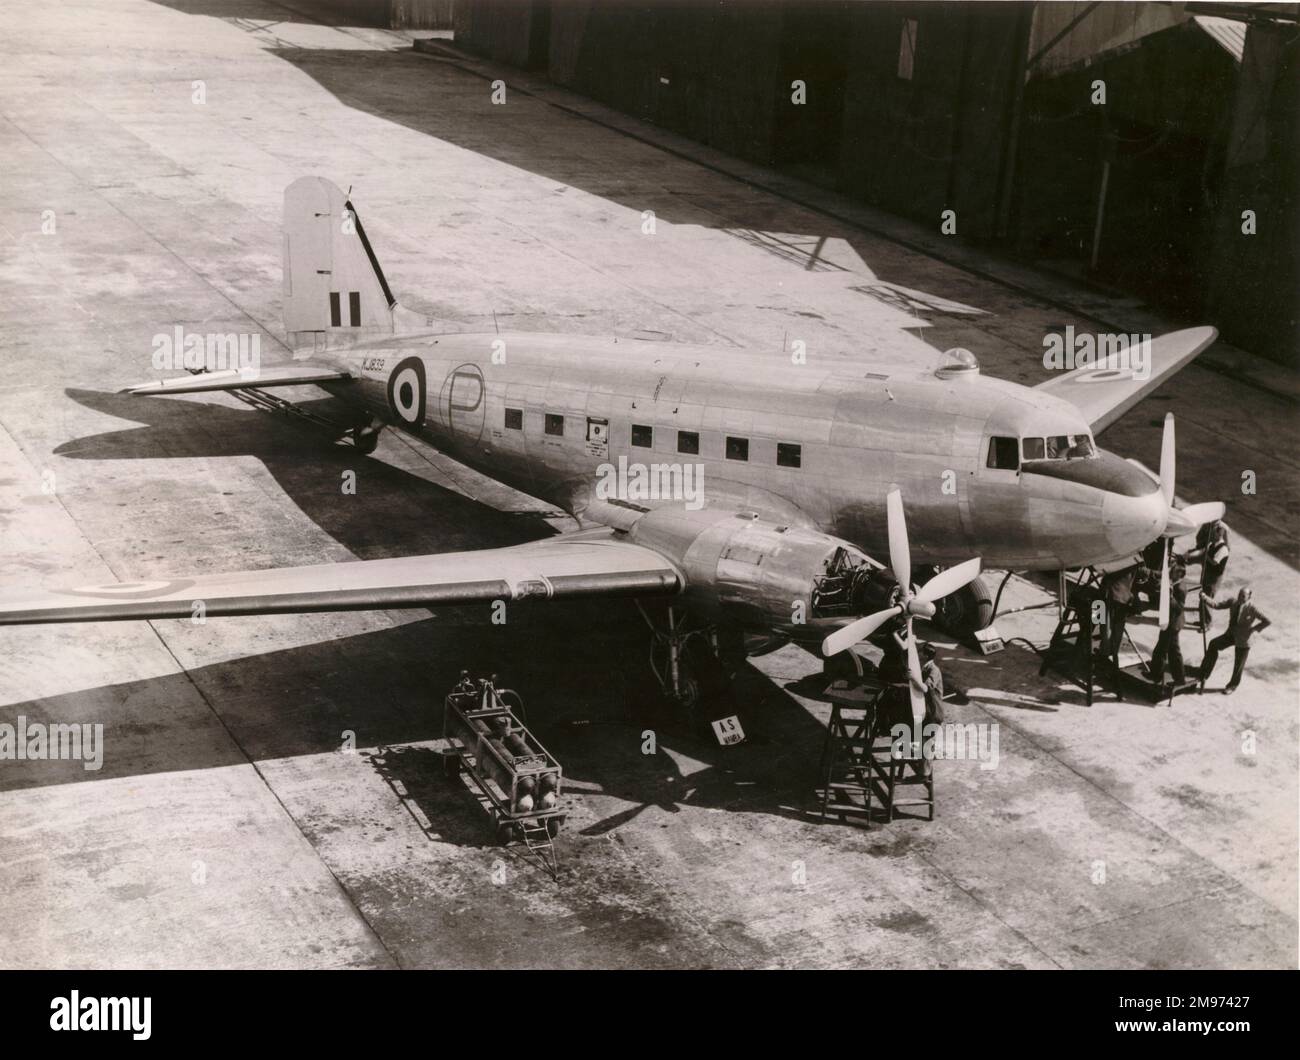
[676, 681]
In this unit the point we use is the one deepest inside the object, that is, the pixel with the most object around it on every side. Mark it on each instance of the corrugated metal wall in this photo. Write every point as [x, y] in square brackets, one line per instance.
[925, 107]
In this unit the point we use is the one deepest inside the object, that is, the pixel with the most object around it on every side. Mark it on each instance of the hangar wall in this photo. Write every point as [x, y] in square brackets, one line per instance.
[390, 14]
[697, 69]
[982, 108]
[722, 73]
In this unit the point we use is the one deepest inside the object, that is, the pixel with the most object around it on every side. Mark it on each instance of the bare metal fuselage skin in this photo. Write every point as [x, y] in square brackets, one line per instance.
[860, 433]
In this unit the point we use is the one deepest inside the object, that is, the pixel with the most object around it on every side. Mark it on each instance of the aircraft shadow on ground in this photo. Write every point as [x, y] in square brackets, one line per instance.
[403, 514]
[580, 669]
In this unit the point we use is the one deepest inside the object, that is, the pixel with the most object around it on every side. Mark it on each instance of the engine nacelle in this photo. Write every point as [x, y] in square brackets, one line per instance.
[764, 574]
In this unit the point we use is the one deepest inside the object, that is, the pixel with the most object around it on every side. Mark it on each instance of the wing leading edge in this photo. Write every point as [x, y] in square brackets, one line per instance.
[569, 566]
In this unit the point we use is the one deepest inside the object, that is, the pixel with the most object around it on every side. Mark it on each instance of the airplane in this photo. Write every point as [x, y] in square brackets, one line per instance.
[748, 495]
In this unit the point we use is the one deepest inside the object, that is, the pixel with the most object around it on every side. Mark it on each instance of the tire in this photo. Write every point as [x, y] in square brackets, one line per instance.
[839, 666]
[967, 610]
[365, 440]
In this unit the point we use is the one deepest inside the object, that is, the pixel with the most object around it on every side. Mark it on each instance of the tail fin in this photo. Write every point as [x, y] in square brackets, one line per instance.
[332, 279]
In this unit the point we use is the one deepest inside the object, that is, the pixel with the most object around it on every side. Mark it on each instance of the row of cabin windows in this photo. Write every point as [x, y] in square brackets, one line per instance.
[788, 454]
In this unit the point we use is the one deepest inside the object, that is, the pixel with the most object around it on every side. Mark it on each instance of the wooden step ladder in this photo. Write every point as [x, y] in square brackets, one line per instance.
[857, 764]
[1067, 653]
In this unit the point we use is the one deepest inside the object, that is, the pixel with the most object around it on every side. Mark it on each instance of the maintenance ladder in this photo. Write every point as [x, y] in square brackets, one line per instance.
[857, 761]
[1075, 641]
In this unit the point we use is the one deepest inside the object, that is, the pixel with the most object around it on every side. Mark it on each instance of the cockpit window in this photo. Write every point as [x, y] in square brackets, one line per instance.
[1058, 447]
[1004, 453]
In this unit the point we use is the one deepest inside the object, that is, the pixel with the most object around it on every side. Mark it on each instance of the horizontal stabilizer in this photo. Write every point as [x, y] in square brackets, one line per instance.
[241, 379]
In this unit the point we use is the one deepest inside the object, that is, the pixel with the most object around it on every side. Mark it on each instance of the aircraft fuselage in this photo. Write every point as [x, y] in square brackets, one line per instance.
[552, 415]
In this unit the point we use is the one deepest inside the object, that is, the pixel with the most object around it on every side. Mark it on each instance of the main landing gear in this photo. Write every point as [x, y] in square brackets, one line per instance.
[364, 431]
[968, 610]
[365, 435]
[694, 664]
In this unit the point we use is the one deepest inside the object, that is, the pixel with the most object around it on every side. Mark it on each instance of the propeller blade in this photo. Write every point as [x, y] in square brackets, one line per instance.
[1167, 459]
[857, 630]
[1164, 590]
[949, 581]
[916, 683]
[900, 555]
[1205, 512]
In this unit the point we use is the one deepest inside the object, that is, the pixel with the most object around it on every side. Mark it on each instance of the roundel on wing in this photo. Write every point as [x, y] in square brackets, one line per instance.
[130, 590]
[1103, 375]
[406, 393]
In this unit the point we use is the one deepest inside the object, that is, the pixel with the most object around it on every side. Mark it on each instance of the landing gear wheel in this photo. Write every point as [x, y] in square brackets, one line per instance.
[845, 664]
[969, 609]
[365, 438]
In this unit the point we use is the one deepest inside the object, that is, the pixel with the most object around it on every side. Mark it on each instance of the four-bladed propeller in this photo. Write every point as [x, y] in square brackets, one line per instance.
[1181, 520]
[919, 604]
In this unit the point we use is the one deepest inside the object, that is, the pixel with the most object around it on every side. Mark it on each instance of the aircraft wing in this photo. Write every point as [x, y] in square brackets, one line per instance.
[294, 374]
[1103, 394]
[587, 564]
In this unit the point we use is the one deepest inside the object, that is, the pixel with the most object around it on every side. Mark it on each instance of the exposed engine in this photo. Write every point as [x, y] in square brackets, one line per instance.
[754, 572]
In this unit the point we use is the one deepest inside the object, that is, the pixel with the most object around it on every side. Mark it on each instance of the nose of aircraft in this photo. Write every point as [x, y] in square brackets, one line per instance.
[1133, 510]
[1131, 523]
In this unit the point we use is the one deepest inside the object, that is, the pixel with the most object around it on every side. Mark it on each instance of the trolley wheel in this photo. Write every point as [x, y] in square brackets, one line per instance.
[553, 826]
[505, 833]
[451, 765]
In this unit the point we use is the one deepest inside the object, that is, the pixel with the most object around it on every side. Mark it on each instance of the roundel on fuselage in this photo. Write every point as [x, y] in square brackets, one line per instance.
[406, 393]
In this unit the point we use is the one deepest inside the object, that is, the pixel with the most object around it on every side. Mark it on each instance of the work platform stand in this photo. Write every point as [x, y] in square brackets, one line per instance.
[857, 760]
[1077, 650]
[1072, 651]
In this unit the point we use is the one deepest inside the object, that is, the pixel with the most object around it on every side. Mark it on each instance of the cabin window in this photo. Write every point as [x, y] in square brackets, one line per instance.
[515, 419]
[554, 424]
[354, 308]
[1034, 449]
[688, 442]
[737, 448]
[642, 435]
[336, 314]
[788, 454]
[1004, 453]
